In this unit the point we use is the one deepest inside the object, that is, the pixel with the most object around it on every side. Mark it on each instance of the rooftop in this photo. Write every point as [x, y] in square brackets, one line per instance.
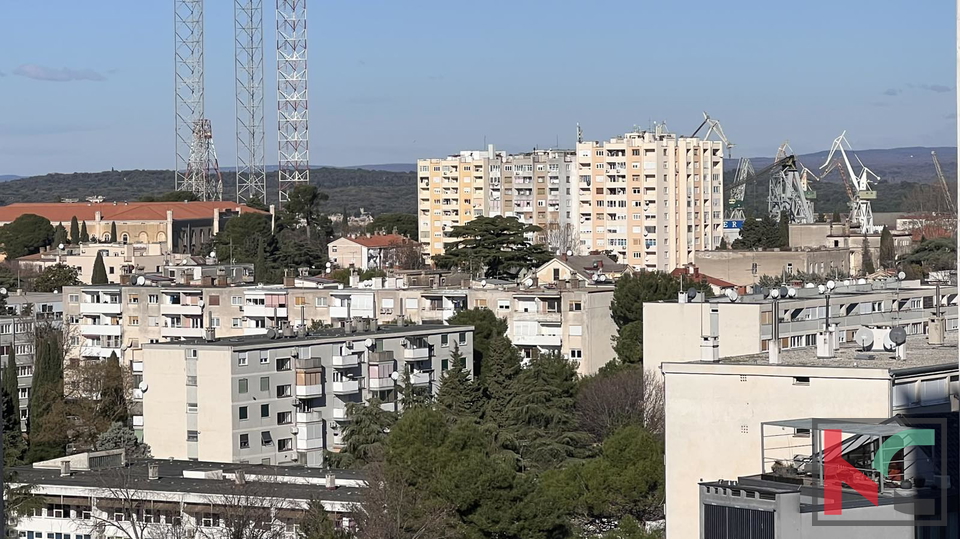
[379, 240]
[314, 336]
[63, 212]
[918, 354]
[293, 482]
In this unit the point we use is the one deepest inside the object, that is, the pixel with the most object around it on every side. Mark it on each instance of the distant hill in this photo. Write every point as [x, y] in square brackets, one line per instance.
[8, 177]
[374, 191]
[388, 167]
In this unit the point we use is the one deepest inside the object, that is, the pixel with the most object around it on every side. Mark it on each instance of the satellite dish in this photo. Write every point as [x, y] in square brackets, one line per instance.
[329, 265]
[3, 291]
[901, 276]
[528, 283]
[143, 387]
[846, 282]
[60, 246]
[898, 335]
[764, 291]
[821, 289]
[861, 281]
[791, 292]
[888, 343]
[200, 303]
[569, 252]
[395, 375]
[141, 280]
[692, 293]
[809, 285]
[483, 283]
[271, 334]
[340, 286]
[774, 293]
[368, 343]
[213, 254]
[831, 285]
[732, 294]
[864, 337]
[603, 278]
[334, 425]
[784, 292]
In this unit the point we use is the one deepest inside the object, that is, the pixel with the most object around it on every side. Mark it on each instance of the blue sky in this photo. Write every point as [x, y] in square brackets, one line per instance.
[87, 86]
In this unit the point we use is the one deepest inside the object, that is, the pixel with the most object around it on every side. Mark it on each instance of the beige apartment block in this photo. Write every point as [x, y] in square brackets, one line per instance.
[451, 192]
[652, 197]
[538, 188]
[119, 259]
[714, 409]
[745, 268]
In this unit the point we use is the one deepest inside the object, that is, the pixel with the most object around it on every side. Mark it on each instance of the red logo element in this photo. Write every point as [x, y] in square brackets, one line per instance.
[837, 471]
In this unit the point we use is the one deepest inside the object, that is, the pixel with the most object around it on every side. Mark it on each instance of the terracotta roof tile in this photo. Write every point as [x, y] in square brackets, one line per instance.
[380, 240]
[63, 212]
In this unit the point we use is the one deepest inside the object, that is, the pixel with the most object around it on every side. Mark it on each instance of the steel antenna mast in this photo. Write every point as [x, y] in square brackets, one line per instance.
[293, 135]
[248, 50]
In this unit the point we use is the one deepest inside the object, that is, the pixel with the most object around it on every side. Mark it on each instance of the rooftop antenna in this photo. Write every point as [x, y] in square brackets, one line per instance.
[579, 134]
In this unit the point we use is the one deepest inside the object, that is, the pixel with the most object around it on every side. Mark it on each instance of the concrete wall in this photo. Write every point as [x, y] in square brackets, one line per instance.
[164, 402]
[738, 266]
[714, 411]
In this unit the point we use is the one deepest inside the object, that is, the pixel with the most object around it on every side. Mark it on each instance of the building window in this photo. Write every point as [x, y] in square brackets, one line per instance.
[236, 322]
[283, 390]
[445, 340]
[243, 413]
[193, 436]
[462, 338]
[576, 354]
[243, 385]
[284, 444]
[264, 383]
[191, 381]
[133, 299]
[801, 380]
[265, 438]
[283, 364]
[321, 302]
[24, 370]
[214, 322]
[134, 320]
[242, 359]
[244, 441]
[264, 410]
[236, 300]
[192, 408]
[264, 359]
[153, 299]
[213, 299]
[73, 298]
[576, 306]
[284, 418]
[23, 392]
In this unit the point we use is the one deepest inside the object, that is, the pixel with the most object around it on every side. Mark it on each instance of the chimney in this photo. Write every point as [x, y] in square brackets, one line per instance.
[331, 481]
[374, 325]
[710, 344]
[153, 471]
[64, 468]
[210, 334]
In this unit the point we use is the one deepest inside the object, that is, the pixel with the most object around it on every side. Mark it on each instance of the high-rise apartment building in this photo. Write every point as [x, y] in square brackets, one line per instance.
[650, 197]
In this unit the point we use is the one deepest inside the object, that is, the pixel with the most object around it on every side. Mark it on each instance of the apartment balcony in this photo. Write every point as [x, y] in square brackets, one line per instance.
[345, 361]
[389, 406]
[420, 378]
[416, 354]
[315, 390]
[381, 357]
[340, 414]
[101, 308]
[306, 444]
[346, 387]
[312, 416]
[537, 316]
[181, 309]
[261, 311]
[379, 384]
[178, 333]
[339, 312]
[114, 330]
[543, 341]
[100, 351]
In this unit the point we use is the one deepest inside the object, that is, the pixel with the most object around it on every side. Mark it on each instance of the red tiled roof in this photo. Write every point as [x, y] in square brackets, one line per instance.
[380, 240]
[63, 212]
[703, 277]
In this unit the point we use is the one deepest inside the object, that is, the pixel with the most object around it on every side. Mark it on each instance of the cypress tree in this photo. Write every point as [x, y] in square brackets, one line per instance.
[99, 271]
[60, 236]
[113, 231]
[836, 216]
[458, 396]
[46, 426]
[784, 229]
[868, 266]
[13, 443]
[84, 236]
[260, 264]
[113, 401]
[74, 230]
[500, 370]
[888, 254]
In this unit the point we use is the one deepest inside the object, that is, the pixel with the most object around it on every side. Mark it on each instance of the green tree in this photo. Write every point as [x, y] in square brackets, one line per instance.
[821, 218]
[412, 396]
[500, 372]
[303, 207]
[317, 523]
[341, 275]
[934, 255]
[120, 436]
[113, 401]
[59, 236]
[836, 216]
[14, 446]
[257, 204]
[56, 277]
[25, 235]
[113, 231]
[171, 196]
[496, 244]
[867, 257]
[762, 233]
[542, 424]
[628, 343]
[240, 238]
[723, 244]
[99, 271]
[47, 426]
[784, 230]
[260, 268]
[84, 236]
[363, 436]
[888, 255]
[18, 501]
[74, 230]
[459, 396]
[486, 326]
[404, 224]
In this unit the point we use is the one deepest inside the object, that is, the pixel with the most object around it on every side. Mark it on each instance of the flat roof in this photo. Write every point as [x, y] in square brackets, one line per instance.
[846, 426]
[315, 336]
[135, 476]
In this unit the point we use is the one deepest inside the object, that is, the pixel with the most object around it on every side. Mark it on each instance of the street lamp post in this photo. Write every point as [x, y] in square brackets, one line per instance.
[396, 398]
[825, 347]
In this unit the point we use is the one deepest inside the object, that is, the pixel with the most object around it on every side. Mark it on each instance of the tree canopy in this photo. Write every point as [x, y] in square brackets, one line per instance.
[486, 326]
[56, 277]
[498, 245]
[404, 224]
[99, 271]
[763, 233]
[26, 235]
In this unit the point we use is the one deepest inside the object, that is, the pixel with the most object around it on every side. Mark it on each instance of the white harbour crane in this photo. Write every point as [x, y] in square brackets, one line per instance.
[859, 187]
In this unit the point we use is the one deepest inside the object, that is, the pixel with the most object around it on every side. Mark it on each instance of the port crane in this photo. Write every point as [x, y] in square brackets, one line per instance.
[790, 189]
[858, 185]
[714, 128]
[947, 195]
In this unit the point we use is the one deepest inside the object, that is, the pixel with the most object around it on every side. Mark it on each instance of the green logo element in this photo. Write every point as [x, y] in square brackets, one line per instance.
[901, 440]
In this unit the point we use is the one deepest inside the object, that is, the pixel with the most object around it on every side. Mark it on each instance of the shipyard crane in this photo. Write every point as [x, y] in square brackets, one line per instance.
[714, 127]
[750, 175]
[789, 189]
[858, 185]
[943, 184]
[735, 202]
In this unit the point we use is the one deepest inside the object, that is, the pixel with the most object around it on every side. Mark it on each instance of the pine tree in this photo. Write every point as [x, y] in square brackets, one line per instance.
[500, 370]
[60, 236]
[410, 395]
[541, 416]
[84, 236]
[868, 266]
[363, 436]
[458, 396]
[317, 523]
[113, 231]
[113, 401]
[74, 230]
[14, 446]
[99, 271]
